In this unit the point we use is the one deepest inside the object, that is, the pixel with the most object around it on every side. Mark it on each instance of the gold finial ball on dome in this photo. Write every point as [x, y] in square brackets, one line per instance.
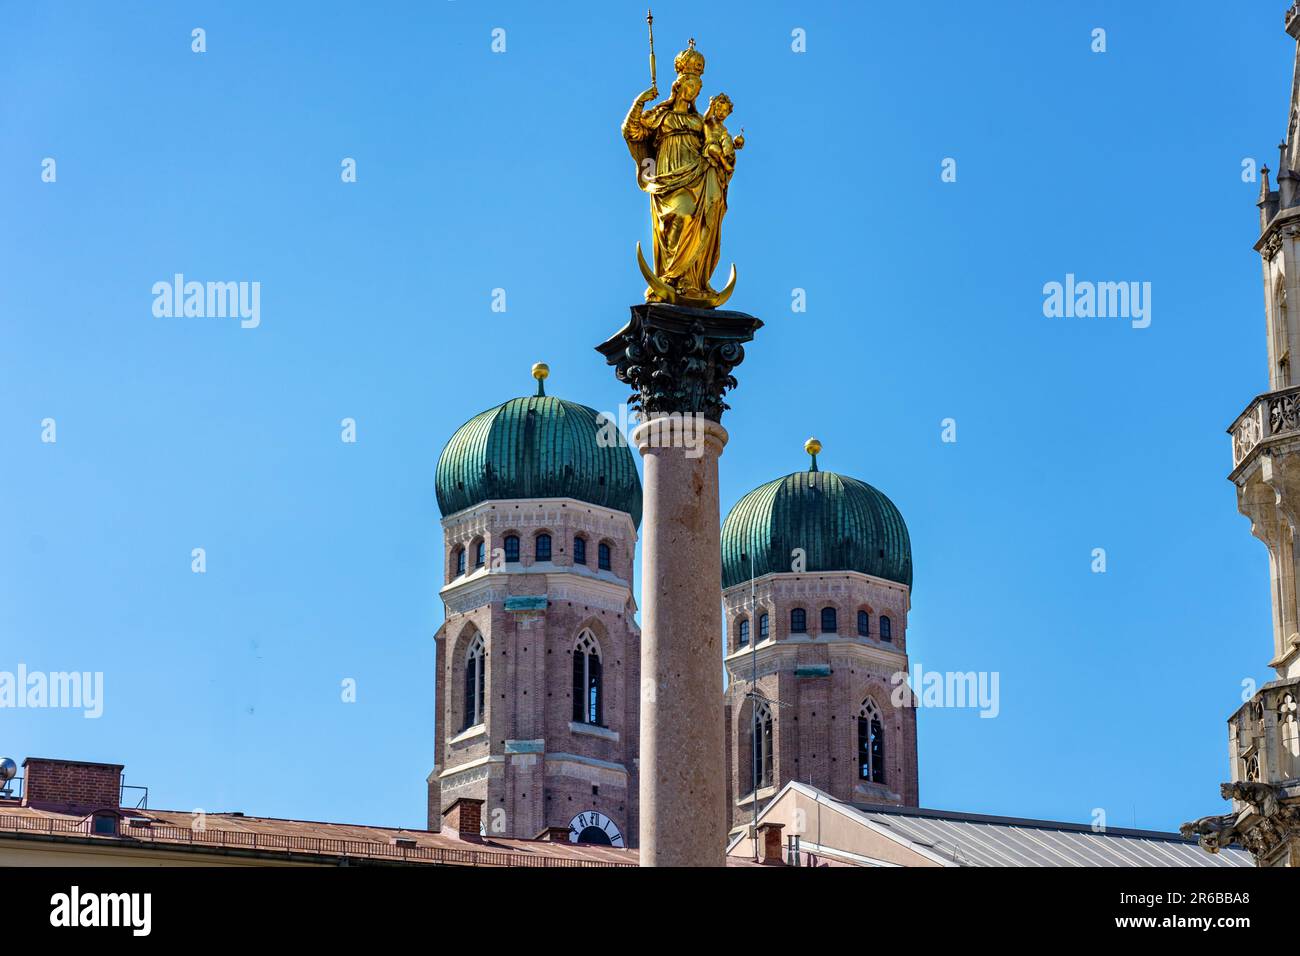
[540, 371]
[812, 446]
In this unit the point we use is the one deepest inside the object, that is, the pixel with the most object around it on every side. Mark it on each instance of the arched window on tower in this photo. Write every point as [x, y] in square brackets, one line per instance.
[1281, 336]
[512, 548]
[742, 632]
[542, 552]
[460, 561]
[588, 694]
[1288, 722]
[602, 556]
[829, 623]
[864, 624]
[871, 743]
[579, 550]
[798, 621]
[479, 553]
[475, 682]
[762, 626]
[886, 629]
[762, 770]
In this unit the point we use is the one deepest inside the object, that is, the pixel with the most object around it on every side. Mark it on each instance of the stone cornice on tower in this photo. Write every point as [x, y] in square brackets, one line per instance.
[812, 582]
[774, 655]
[531, 510]
[492, 587]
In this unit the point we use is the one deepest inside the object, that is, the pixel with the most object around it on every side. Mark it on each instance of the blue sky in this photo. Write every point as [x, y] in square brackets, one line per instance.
[479, 170]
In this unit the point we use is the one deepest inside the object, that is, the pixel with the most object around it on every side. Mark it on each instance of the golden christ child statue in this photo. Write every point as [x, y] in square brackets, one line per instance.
[684, 161]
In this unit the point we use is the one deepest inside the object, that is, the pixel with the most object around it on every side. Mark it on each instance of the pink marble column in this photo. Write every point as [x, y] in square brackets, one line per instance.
[683, 766]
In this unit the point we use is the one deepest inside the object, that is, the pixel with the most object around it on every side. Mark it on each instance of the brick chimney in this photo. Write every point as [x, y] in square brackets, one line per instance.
[71, 786]
[769, 844]
[463, 818]
[554, 835]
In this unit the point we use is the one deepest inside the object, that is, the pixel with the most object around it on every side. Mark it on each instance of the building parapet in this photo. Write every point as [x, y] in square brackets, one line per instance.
[1269, 419]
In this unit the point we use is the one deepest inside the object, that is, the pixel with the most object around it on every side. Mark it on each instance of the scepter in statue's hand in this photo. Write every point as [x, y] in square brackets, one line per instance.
[650, 22]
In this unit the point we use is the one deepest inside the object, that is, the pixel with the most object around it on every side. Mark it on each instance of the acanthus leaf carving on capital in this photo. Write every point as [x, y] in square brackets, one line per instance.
[679, 359]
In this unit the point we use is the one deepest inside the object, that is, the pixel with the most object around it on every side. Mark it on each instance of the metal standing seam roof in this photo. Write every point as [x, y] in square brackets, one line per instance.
[967, 839]
[1039, 843]
[841, 523]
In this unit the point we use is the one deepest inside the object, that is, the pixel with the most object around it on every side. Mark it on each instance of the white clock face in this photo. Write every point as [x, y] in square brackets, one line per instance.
[592, 826]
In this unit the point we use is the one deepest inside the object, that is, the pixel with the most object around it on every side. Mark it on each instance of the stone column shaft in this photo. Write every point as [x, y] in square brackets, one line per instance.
[683, 781]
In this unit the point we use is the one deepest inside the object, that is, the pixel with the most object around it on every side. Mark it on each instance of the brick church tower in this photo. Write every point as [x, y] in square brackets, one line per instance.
[538, 660]
[817, 581]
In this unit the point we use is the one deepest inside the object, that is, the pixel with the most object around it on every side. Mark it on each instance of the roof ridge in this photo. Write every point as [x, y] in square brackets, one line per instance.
[962, 816]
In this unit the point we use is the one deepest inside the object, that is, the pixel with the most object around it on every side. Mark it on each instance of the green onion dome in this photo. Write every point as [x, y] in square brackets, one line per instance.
[537, 447]
[841, 523]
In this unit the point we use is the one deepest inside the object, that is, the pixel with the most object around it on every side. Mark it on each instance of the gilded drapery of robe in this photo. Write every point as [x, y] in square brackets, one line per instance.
[687, 198]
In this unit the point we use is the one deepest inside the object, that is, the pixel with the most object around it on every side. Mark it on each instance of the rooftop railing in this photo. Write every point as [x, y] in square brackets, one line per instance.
[210, 837]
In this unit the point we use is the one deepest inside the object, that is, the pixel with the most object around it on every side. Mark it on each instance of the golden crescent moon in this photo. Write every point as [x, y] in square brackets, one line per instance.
[666, 292]
[729, 288]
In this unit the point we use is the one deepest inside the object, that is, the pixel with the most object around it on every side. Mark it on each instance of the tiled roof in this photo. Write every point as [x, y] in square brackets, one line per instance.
[330, 842]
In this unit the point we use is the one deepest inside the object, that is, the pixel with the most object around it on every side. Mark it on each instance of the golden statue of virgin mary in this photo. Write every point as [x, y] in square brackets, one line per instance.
[684, 161]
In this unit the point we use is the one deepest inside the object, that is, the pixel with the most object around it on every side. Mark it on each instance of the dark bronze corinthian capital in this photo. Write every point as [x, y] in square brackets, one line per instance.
[679, 359]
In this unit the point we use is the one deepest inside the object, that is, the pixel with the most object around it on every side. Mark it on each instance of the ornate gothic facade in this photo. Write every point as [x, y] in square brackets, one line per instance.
[1263, 735]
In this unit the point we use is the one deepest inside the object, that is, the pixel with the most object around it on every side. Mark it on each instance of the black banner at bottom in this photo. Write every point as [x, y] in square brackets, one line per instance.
[376, 903]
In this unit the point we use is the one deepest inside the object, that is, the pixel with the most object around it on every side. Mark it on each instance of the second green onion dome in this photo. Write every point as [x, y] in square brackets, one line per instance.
[841, 523]
[536, 447]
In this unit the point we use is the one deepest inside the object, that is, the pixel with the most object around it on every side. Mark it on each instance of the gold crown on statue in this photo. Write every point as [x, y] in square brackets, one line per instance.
[690, 61]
